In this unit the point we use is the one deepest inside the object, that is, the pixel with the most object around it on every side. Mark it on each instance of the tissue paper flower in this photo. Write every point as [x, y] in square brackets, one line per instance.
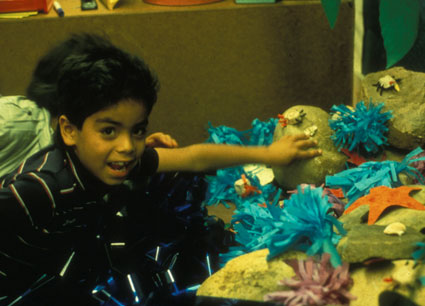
[315, 284]
[303, 224]
[362, 128]
[338, 206]
[221, 186]
[260, 134]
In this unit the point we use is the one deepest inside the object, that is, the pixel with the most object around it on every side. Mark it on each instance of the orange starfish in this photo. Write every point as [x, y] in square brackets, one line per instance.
[379, 198]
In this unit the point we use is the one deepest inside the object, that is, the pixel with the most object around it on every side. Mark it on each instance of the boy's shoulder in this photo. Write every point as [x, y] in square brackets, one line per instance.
[49, 163]
[50, 159]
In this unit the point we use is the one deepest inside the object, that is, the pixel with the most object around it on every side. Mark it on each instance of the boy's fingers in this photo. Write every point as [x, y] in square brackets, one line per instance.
[307, 143]
[309, 153]
[300, 136]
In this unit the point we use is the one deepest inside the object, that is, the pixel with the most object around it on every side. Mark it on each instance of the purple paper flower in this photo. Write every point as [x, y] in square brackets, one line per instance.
[419, 165]
[315, 284]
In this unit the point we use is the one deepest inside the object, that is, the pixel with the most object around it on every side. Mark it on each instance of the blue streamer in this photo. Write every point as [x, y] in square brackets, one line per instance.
[357, 182]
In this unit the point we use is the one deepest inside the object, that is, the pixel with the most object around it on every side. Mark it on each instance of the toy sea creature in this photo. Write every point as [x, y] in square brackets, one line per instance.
[311, 131]
[282, 120]
[404, 275]
[295, 116]
[395, 228]
[382, 197]
[244, 188]
[292, 117]
[315, 284]
[387, 83]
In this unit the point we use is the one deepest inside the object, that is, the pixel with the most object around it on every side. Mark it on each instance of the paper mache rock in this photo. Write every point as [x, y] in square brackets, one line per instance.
[354, 247]
[312, 171]
[407, 126]
[251, 277]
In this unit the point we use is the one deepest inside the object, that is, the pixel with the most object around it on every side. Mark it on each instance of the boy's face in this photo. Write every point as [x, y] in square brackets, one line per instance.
[111, 141]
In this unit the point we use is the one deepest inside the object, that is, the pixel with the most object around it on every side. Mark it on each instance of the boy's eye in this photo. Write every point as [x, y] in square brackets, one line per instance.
[139, 132]
[109, 131]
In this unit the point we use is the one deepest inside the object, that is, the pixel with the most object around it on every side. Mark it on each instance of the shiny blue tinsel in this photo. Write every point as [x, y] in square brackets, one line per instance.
[303, 223]
[362, 128]
[357, 182]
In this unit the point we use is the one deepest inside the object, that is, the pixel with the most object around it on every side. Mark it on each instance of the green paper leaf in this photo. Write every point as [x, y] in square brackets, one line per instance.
[399, 27]
[331, 8]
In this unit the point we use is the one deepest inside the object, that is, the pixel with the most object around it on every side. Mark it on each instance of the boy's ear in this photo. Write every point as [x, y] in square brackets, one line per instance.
[68, 131]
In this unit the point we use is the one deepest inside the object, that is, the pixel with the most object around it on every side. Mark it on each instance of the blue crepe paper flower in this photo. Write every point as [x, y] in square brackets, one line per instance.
[358, 181]
[302, 224]
[362, 128]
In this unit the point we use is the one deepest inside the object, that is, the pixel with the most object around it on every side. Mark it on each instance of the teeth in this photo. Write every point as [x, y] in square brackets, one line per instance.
[122, 164]
[119, 165]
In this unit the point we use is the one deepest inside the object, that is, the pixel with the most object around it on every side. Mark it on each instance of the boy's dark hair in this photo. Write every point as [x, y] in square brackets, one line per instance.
[43, 88]
[101, 77]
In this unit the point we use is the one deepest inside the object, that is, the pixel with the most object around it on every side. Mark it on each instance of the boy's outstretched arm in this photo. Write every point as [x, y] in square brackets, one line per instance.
[203, 157]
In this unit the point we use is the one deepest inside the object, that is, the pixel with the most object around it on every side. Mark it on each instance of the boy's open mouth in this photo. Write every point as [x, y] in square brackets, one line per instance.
[120, 166]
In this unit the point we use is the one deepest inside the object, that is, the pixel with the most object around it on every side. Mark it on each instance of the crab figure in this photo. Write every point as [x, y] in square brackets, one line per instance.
[387, 83]
[282, 120]
[295, 116]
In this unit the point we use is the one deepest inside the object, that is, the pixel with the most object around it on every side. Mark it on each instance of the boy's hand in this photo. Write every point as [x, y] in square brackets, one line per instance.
[161, 140]
[292, 147]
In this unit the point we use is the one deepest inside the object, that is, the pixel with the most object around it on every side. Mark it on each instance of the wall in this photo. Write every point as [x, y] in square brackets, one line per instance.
[223, 63]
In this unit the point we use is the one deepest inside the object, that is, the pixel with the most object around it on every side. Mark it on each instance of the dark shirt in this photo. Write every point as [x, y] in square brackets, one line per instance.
[51, 208]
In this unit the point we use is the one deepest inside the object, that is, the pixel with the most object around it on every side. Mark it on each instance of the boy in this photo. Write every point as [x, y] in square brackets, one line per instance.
[27, 123]
[52, 209]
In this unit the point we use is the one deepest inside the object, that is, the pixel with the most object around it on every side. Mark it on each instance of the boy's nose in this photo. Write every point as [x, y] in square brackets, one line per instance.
[126, 144]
